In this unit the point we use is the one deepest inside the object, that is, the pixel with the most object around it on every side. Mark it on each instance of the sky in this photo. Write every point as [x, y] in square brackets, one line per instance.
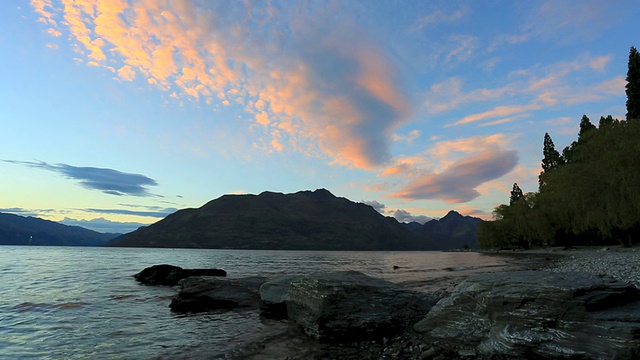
[117, 113]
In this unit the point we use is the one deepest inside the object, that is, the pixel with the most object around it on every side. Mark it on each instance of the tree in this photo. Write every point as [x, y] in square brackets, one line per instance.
[551, 158]
[516, 194]
[606, 121]
[585, 128]
[633, 85]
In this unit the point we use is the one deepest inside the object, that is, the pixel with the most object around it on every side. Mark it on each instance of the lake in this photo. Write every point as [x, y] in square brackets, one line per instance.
[83, 303]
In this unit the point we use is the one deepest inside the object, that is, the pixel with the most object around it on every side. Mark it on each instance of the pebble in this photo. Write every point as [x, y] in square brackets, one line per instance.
[622, 264]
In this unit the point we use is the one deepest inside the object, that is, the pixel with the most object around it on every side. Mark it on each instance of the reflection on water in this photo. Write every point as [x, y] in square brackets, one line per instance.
[61, 302]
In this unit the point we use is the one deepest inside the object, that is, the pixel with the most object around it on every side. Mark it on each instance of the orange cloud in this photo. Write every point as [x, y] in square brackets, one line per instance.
[127, 73]
[43, 8]
[337, 95]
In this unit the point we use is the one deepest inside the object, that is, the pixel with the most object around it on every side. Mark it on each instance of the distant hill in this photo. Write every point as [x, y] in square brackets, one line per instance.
[20, 230]
[452, 231]
[306, 220]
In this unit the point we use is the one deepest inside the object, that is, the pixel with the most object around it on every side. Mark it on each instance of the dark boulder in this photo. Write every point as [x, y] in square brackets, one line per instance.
[350, 306]
[170, 275]
[536, 315]
[206, 293]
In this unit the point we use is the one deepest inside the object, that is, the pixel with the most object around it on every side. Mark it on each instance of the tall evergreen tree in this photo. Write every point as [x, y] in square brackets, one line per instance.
[551, 157]
[516, 194]
[633, 85]
[585, 127]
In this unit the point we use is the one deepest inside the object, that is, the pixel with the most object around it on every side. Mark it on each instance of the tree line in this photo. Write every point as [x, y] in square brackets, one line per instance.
[587, 195]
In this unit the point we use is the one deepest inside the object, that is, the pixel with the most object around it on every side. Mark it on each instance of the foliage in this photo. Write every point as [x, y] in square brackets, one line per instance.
[592, 200]
[589, 195]
[551, 158]
[516, 194]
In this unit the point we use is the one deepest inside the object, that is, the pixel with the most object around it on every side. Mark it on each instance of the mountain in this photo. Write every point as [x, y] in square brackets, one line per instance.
[453, 231]
[20, 230]
[306, 220]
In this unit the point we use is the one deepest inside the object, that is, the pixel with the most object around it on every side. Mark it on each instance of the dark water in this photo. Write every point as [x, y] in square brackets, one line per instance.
[82, 303]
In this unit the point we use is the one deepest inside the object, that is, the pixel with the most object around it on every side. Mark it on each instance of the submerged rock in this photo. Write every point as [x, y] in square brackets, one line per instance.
[274, 295]
[170, 275]
[537, 314]
[206, 293]
[349, 306]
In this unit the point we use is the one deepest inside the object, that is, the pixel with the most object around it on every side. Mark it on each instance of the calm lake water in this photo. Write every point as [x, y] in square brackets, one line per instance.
[83, 303]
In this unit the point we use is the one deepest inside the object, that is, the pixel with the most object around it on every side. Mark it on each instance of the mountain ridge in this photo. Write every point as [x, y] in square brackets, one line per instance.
[305, 220]
[21, 230]
[455, 229]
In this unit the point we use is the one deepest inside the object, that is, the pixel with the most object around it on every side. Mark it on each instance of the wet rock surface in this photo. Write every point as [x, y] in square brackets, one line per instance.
[170, 275]
[351, 307]
[208, 293]
[535, 314]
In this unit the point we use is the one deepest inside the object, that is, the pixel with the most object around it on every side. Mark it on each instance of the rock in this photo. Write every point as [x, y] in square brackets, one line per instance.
[205, 293]
[170, 275]
[537, 314]
[274, 295]
[350, 306]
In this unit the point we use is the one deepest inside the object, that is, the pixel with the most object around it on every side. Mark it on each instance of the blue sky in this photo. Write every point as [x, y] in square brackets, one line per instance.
[117, 113]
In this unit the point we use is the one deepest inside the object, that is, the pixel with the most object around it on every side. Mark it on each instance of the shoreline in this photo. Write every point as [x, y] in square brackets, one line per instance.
[621, 263]
[290, 343]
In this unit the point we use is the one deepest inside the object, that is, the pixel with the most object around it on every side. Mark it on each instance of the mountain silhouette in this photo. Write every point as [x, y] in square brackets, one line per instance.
[453, 231]
[20, 230]
[305, 220]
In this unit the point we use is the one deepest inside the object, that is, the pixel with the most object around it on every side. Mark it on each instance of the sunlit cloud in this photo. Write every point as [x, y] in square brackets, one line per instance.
[531, 90]
[408, 138]
[53, 32]
[439, 16]
[498, 111]
[458, 182]
[339, 94]
[452, 170]
[108, 181]
[448, 95]
[445, 149]
[464, 47]
[404, 216]
[378, 206]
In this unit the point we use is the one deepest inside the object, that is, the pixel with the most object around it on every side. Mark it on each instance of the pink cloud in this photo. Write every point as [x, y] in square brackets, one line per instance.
[339, 95]
[458, 182]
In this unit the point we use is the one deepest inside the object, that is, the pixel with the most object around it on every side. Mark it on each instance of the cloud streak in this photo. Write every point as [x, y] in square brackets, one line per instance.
[156, 213]
[108, 181]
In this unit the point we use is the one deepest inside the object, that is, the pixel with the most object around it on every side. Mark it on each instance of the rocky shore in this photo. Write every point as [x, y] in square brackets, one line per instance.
[551, 303]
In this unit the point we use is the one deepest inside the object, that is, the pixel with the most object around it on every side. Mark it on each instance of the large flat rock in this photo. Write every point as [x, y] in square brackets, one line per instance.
[350, 306]
[170, 275]
[207, 293]
[537, 314]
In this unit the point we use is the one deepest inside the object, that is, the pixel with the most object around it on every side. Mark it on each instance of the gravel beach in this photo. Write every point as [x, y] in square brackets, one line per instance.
[619, 262]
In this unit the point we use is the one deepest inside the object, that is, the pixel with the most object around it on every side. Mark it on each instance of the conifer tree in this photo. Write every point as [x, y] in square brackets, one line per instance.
[633, 85]
[551, 158]
[516, 194]
[585, 127]
[606, 121]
